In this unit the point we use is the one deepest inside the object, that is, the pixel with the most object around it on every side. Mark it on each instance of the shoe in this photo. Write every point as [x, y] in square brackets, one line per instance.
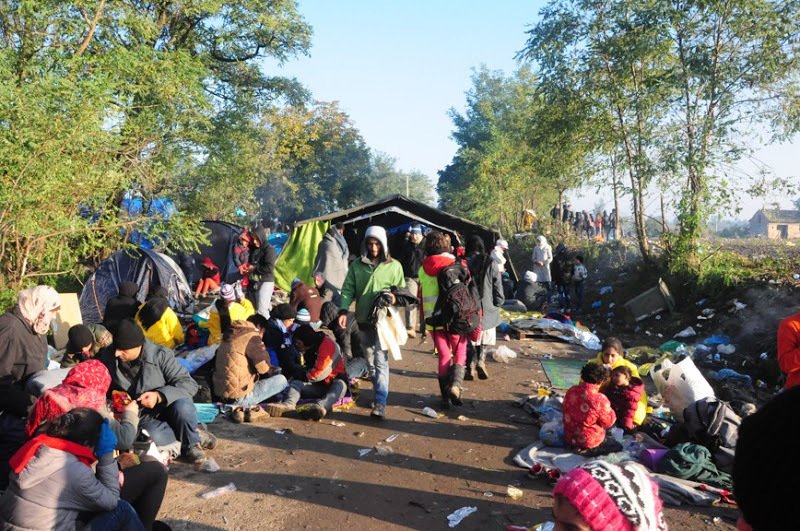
[411, 332]
[315, 412]
[378, 411]
[207, 439]
[444, 384]
[237, 415]
[482, 374]
[469, 374]
[254, 414]
[278, 409]
[195, 454]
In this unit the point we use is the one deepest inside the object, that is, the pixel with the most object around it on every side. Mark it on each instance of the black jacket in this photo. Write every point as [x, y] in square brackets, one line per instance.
[263, 261]
[412, 258]
[119, 308]
[23, 352]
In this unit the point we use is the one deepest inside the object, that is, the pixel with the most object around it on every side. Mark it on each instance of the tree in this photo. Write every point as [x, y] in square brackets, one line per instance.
[387, 180]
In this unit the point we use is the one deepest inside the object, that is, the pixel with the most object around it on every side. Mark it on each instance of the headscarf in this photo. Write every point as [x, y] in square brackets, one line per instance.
[541, 241]
[36, 305]
[86, 386]
[610, 496]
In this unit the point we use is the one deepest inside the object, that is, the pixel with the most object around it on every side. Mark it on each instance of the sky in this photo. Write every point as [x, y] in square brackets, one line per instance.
[397, 67]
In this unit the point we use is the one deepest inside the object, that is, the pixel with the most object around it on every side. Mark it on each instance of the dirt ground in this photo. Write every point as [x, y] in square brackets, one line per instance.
[310, 475]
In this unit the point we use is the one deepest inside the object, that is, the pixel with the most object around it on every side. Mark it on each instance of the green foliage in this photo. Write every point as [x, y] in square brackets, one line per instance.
[387, 180]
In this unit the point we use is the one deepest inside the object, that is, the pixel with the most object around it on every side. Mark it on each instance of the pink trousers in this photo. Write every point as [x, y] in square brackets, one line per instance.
[449, 346]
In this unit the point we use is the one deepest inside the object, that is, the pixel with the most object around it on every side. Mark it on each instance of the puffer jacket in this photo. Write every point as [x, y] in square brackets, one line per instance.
[54, 488]
[641, 406]
[587, 416]
[22, 353]
[238, 312]
[625, 401]
[239, 360]
[167, 331]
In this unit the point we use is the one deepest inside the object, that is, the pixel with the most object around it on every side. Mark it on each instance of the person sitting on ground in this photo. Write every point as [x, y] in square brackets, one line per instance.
[80, 346]
[348, 339]
[123, 306]
[243, 375]
[151, 375]
[303, 296]
[611, 355]
[766, 477]
[326, 376]
[86, 385]
[158, 320]
[624, 392]
[279, 343]
[450, 346]
[327, 291]
[588, 414]
[236, 310]
[601, 496]
[789, 349]
[53, 484]
[209, 278]
[23, 352]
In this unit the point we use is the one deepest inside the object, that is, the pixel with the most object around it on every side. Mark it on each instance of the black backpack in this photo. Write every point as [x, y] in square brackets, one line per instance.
[714, 424]
[458, 307]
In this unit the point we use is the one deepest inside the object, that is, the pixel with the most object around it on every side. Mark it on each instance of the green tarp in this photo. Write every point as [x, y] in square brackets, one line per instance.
[298, 255]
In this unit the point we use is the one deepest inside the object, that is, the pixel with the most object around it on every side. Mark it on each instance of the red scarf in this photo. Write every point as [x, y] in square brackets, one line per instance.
[20, 459]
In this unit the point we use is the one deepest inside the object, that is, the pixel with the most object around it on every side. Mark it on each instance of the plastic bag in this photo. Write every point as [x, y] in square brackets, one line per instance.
[503, 354]
[680, 384]
[552, 433]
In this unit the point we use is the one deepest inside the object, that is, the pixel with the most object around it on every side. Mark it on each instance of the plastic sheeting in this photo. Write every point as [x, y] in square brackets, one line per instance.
[558, 330]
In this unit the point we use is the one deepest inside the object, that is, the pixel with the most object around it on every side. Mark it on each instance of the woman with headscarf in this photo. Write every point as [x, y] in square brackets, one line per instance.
[123, 306]
[86, 386]
[23, 352]
[542, 256]
[159, 322]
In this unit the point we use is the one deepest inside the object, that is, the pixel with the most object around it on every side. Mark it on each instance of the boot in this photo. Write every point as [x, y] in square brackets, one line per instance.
[470, 370]
[444, 388]
[482, 373]
[458, 383]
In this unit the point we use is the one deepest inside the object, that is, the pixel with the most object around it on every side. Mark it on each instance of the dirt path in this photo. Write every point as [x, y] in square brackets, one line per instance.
[311, 476]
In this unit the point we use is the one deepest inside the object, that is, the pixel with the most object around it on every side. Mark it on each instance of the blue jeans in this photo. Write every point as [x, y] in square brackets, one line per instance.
[123, 518]
[380, 360]
[177, 421]
[357, 367]
[563, 295]
[263, 390]
[328, 394]
[578, 295]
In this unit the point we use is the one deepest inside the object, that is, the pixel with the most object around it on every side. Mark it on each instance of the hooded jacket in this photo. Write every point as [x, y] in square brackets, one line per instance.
[429, 281]
[625, 401]
[239, 312]
[587, 416]
[490, 286]
[54, 488]
[22, 353]
[263, 258]
[239, 360]
[542, 253]
[365, 280]
[304, 296]
[167, 329]
[332, 257]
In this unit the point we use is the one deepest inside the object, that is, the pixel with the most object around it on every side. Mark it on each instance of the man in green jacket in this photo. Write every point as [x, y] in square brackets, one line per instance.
[368, 275]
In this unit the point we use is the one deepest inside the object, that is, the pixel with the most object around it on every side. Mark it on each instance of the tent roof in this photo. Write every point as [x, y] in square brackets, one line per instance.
[397, 210]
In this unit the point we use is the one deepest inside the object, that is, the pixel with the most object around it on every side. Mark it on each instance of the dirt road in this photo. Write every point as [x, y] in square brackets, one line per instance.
[310, 476]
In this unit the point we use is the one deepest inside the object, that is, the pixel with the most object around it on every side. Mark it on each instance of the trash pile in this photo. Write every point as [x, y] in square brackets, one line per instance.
[564, 331]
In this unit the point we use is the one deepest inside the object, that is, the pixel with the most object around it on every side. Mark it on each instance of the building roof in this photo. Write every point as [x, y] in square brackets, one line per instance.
[782, 216]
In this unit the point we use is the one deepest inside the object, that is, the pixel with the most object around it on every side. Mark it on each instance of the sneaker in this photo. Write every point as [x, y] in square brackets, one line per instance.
[207, 439]
[469, 374]
[482, 373]
[237, 415]
[411, 332]
[315, 412]
[254, 414]
[379, 411]
[278, 409]
[195, 454]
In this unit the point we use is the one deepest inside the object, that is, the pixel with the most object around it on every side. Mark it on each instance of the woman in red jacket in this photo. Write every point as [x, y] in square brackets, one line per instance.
[588, 414]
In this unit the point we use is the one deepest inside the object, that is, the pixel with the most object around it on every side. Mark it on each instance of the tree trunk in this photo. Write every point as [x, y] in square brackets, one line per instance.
[664, 227]
[615, 183]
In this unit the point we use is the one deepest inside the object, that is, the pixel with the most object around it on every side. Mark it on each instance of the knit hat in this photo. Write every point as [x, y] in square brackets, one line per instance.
[128, 288]
[78, 337]
[612, 496]
[226, 292]
[283, 311]
[503, 244]
[303, 316]
[128, 335]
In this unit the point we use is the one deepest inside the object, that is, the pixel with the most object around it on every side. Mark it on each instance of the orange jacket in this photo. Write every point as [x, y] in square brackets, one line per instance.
[328, 363]
[789, 349]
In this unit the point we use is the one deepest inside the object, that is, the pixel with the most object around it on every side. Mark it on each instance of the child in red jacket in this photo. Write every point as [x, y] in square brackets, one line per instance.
[624, 392]
[588, 414]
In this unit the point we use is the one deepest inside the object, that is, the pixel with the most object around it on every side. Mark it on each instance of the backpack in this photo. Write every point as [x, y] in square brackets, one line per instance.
[478, 271]
[714, 424]
[458, 307]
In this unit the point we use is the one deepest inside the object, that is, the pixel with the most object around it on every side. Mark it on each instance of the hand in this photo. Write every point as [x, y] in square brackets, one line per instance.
[106, 442]
[343, 322]
[128, 459]
[392, 299]
[133, 407]
[150, 399]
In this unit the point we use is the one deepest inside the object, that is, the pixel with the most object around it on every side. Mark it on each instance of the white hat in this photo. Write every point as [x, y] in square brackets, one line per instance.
[503, 244]
[303, 316]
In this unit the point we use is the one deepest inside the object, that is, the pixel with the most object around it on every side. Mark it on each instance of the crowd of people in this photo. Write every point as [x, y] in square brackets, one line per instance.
[68, 447]
[597, 225]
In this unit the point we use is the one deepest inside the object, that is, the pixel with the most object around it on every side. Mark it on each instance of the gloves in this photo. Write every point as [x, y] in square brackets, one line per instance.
[106, 442]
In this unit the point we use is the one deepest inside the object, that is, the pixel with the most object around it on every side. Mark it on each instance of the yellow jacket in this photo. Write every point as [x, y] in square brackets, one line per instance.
[238, 311]
[167, 331]
[641, 409]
